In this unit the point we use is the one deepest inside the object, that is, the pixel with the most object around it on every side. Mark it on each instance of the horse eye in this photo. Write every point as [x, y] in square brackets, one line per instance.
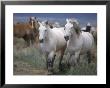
[64, 28]
[45, 30]
[37, 30]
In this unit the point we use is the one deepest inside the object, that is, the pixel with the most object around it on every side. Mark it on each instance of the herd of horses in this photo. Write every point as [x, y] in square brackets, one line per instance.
[52, 39]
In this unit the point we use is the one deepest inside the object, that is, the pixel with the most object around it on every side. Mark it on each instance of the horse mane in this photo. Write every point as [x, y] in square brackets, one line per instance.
[35, 25]
[76, 26]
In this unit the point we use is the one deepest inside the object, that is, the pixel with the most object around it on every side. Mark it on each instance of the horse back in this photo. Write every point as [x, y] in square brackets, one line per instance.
[21, 29]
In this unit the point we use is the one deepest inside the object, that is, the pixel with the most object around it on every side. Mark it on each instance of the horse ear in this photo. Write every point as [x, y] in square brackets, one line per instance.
[35, 17]
[30, 18]
[46, 22]
[39, 23]
[67, 20]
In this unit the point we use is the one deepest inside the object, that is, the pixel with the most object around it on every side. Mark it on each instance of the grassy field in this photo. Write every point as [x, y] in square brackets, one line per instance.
[30, 61]
[0, 64]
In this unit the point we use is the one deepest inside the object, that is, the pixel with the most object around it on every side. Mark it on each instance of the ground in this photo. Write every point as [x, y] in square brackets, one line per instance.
[30, 61]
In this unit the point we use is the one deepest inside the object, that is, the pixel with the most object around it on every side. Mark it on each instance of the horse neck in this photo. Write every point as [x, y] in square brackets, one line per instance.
[74, 36]
[49, 36]
[36, 26]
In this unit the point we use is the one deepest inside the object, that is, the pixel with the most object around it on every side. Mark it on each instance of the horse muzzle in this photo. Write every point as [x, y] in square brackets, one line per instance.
[41, 40]
[66, 38]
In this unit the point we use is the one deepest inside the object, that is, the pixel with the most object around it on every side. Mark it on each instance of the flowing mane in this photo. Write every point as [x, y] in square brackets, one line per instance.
[75, 25]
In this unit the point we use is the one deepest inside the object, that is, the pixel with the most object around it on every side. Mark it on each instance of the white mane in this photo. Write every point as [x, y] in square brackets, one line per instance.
[72, 20]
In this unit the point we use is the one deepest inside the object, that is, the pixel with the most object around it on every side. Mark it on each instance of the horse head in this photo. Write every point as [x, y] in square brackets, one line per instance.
[44, 27]
[34, 23]
[71, 26]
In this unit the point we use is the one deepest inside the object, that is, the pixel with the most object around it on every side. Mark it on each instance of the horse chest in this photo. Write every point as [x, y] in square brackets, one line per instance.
[72, 49]
[47, 47]
[75, 44]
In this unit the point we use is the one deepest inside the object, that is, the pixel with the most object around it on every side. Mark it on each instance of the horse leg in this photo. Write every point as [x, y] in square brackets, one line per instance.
[53, 59]
[32, 38]
[89, 56]
[46, 60]
[50, 62]
[75, 58]
[60, 64]
[69, 60]
[62, 54]
[26, 40]
[78, 60]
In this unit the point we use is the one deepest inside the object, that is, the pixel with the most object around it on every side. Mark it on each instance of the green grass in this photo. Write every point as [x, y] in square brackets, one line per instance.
[35, 59]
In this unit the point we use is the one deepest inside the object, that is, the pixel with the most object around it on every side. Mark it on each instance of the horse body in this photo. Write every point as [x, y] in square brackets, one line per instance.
[79, 42]
[88, 41]
[20, 29]
[51, 41]
[91, 30]
[23, 30]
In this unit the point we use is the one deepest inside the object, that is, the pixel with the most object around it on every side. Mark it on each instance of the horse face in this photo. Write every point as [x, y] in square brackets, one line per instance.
[42, 33]
[67, 30]
[33, 22]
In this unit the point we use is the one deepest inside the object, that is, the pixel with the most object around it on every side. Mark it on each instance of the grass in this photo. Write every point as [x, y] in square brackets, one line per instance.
[30, 61]
[30, 55]
[0, 65]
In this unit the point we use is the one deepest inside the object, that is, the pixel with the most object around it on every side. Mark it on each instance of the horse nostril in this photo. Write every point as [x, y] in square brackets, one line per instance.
[41, 40]
[66, 38]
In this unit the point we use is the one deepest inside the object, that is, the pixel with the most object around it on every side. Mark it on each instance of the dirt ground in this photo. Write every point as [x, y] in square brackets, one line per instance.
[20, 68]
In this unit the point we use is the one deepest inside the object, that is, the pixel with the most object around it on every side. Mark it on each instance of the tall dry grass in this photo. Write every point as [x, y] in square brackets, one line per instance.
[30, 61]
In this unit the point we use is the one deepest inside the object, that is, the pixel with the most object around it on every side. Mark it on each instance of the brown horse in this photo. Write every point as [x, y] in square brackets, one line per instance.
[27, 31]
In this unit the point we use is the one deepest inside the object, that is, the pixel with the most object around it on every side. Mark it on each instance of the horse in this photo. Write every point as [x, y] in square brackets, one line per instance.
[56, 24]
[94, 33]
[27, 31]
[53, 24]
[79, 42]
[51, 42]
[89, 28]
[35, 26]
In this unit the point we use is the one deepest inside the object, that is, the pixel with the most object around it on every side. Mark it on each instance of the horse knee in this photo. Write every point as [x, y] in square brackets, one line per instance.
[50, 61]
[49, 65]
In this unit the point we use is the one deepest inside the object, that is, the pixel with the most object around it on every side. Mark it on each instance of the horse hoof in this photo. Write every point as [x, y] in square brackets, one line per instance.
[50, 73]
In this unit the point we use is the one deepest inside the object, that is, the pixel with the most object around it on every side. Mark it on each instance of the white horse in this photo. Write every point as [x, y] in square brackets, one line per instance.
[56, 24]
[92, 30]
[94, 33]
[51, 41]
[79, 42]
